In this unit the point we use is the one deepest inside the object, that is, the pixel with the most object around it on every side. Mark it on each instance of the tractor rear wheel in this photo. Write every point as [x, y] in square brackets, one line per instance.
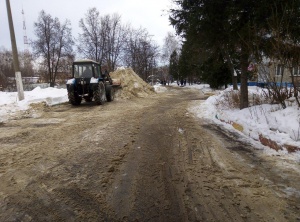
[109, 93]
[99, 94]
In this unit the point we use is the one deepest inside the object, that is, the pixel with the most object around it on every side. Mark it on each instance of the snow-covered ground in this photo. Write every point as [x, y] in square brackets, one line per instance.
[279, 125]
[10, 106]
[268, 121]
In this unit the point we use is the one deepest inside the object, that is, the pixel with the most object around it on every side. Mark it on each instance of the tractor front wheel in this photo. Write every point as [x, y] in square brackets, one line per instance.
[74, 99]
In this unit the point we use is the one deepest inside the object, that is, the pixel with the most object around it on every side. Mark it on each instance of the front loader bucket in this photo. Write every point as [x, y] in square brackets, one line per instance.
[116, 82]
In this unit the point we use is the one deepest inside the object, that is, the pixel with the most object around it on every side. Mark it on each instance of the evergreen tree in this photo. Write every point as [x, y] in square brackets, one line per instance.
[189, 61]
[215, 72]
[233, 27]
[173, 65]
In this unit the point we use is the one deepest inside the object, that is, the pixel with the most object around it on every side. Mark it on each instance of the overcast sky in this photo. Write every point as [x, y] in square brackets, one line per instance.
[149, 14]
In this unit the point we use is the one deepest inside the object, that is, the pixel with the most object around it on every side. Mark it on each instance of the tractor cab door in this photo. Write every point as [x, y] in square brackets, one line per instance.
[97, 71]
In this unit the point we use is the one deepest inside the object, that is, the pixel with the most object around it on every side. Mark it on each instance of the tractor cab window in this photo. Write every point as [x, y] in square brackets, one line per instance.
[84, 70]
[87, 71]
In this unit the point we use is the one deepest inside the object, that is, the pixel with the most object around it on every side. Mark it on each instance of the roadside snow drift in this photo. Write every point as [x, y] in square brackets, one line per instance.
[268, 123]
[11, 108]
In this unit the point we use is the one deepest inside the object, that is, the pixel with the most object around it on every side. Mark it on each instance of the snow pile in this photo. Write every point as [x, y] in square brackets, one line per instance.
[268, 121]
[131, 84]
[51, 96]
[159, 88]
[11, 108]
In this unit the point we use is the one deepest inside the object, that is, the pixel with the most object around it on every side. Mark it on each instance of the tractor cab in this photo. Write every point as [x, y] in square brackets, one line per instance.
[86, 69]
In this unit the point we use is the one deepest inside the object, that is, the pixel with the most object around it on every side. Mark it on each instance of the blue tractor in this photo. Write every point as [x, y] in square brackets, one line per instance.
[89, 83]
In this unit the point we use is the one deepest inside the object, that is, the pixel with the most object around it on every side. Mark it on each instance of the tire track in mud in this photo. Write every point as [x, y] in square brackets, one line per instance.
[61, 172]
[204, 198]
[146, 183]
[170, 182]
[224, 182]
[261, 175]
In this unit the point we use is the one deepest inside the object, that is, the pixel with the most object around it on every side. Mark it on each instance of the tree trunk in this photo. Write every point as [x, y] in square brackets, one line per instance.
[244, 84]
[234, 81]
[233, 73]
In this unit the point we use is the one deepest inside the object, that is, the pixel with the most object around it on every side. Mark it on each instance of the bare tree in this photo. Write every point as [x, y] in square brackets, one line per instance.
[26, 64]
[170, 47]
[6, 67]
[141, 53]
[54, 41]
[284, 50]
[115, 36]
[65, 69]
[171, 44]
[105, 40]
[102, 38]
[92, 38]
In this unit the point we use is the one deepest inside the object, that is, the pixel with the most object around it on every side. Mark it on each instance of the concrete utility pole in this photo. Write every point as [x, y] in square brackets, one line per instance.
[15, 53]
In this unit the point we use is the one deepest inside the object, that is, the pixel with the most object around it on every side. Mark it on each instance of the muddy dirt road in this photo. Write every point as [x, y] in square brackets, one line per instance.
[145, 159]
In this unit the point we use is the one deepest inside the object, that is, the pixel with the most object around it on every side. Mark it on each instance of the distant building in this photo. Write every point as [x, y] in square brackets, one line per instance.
[275, 71]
